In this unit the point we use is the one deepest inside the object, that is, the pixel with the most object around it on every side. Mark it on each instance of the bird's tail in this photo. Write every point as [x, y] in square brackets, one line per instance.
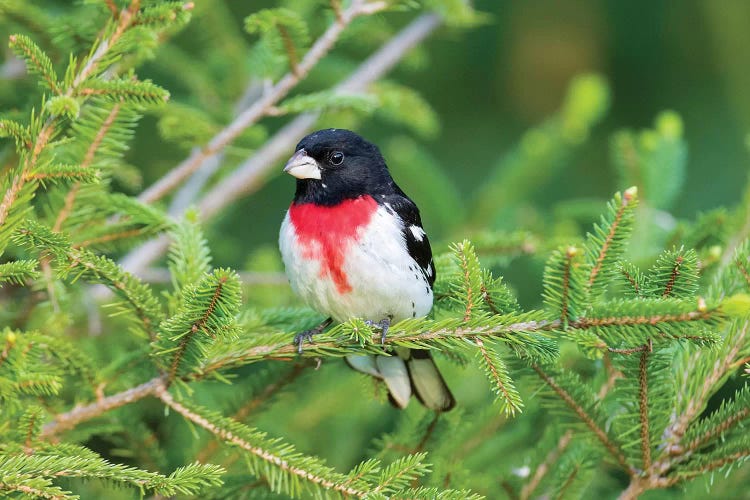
[407, 372]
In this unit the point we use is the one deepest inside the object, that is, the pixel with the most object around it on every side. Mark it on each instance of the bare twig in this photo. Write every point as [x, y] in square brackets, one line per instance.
[249, 176]
[79, 414]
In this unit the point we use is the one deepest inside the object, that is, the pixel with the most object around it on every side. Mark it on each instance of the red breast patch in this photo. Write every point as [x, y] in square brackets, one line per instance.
[326, 232]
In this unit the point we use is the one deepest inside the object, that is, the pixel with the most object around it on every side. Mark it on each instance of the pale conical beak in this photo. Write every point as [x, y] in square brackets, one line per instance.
[302, 166]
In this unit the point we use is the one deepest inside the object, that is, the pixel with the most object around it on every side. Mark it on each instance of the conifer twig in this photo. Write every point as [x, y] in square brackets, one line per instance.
[545, 466]
[48, 129]
[601, 435]
[626, 199]
[676, 431]
[643, 406]
[197, 327]
[260, 108]
[287, 350]
[162, 393]
[253, 404]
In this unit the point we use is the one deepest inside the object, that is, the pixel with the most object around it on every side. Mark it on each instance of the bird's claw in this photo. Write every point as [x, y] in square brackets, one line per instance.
[384, 324]
[301, 337]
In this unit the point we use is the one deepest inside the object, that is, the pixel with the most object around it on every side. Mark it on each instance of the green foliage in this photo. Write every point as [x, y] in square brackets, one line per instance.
[654, 159]
[282, 31]
[606, 245]
[544, 149]
[604, 356]
[18, 271]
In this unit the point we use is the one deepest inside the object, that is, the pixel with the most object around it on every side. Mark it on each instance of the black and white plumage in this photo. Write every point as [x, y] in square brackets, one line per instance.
[353, 246]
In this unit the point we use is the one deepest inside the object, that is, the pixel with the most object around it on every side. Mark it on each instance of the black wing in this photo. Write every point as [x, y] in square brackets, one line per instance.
[417, 242]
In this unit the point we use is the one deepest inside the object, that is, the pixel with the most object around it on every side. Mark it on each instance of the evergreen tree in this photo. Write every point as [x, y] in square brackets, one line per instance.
[181, 379]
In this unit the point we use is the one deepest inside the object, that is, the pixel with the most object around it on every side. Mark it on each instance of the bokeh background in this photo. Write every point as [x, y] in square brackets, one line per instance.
[483, 88]
[490, 83]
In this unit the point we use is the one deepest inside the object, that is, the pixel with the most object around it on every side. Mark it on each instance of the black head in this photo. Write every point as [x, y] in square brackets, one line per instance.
[332, 165]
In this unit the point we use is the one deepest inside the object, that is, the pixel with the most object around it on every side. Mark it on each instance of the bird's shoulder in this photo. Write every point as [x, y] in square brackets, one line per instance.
[417, 242]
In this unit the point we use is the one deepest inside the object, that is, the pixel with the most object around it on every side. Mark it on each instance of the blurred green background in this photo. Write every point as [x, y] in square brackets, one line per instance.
[487, 85]
[490, 83]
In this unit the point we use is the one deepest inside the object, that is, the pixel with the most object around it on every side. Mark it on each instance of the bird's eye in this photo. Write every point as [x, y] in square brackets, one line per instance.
[337, 158]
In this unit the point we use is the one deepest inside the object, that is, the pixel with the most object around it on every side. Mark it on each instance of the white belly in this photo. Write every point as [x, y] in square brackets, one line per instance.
[383, 280]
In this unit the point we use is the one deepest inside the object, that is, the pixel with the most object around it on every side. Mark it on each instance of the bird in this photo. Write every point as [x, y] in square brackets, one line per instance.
[353, 246]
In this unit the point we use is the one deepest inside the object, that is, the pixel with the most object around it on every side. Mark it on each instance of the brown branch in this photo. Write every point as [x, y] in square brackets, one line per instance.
[569, 254]
[722, 427]
[493, 370]
[613, 374]
[627, 197]
[291, 51]
[743, 270]
[600, 434]
[287, 351]
[68, 420]
[112, 8]
[568, 482]
[252, 405]
[713, 465]
[632, 281]
[676, 431]
[88, 158]
[469, 291]
[226, 435]
[699, 315]
[197, 326]
[546, 465]
[643, 406]
[30, 491]
[427, 434]
[673, 277]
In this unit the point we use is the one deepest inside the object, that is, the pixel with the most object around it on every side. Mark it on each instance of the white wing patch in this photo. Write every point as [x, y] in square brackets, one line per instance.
[418, 232]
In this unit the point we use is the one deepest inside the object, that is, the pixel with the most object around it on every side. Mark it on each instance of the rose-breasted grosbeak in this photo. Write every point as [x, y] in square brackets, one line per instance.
[354, 247]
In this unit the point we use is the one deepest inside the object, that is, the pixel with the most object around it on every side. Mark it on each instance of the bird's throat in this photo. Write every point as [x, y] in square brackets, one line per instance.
[325, 232]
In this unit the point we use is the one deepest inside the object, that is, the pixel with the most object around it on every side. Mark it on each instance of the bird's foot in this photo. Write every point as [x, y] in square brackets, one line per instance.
[384, 324]
[307, 335]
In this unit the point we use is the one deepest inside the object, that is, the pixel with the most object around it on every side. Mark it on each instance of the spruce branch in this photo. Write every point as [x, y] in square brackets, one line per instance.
[587, 419]
[283, 349]
[718, 430]
[227, 435]
[544, 467]
[260, 108]
[50, 126]
[256, 402]
[198, 326]
[643, 405]
[675, 432]
[605, 243]
[88, 158]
